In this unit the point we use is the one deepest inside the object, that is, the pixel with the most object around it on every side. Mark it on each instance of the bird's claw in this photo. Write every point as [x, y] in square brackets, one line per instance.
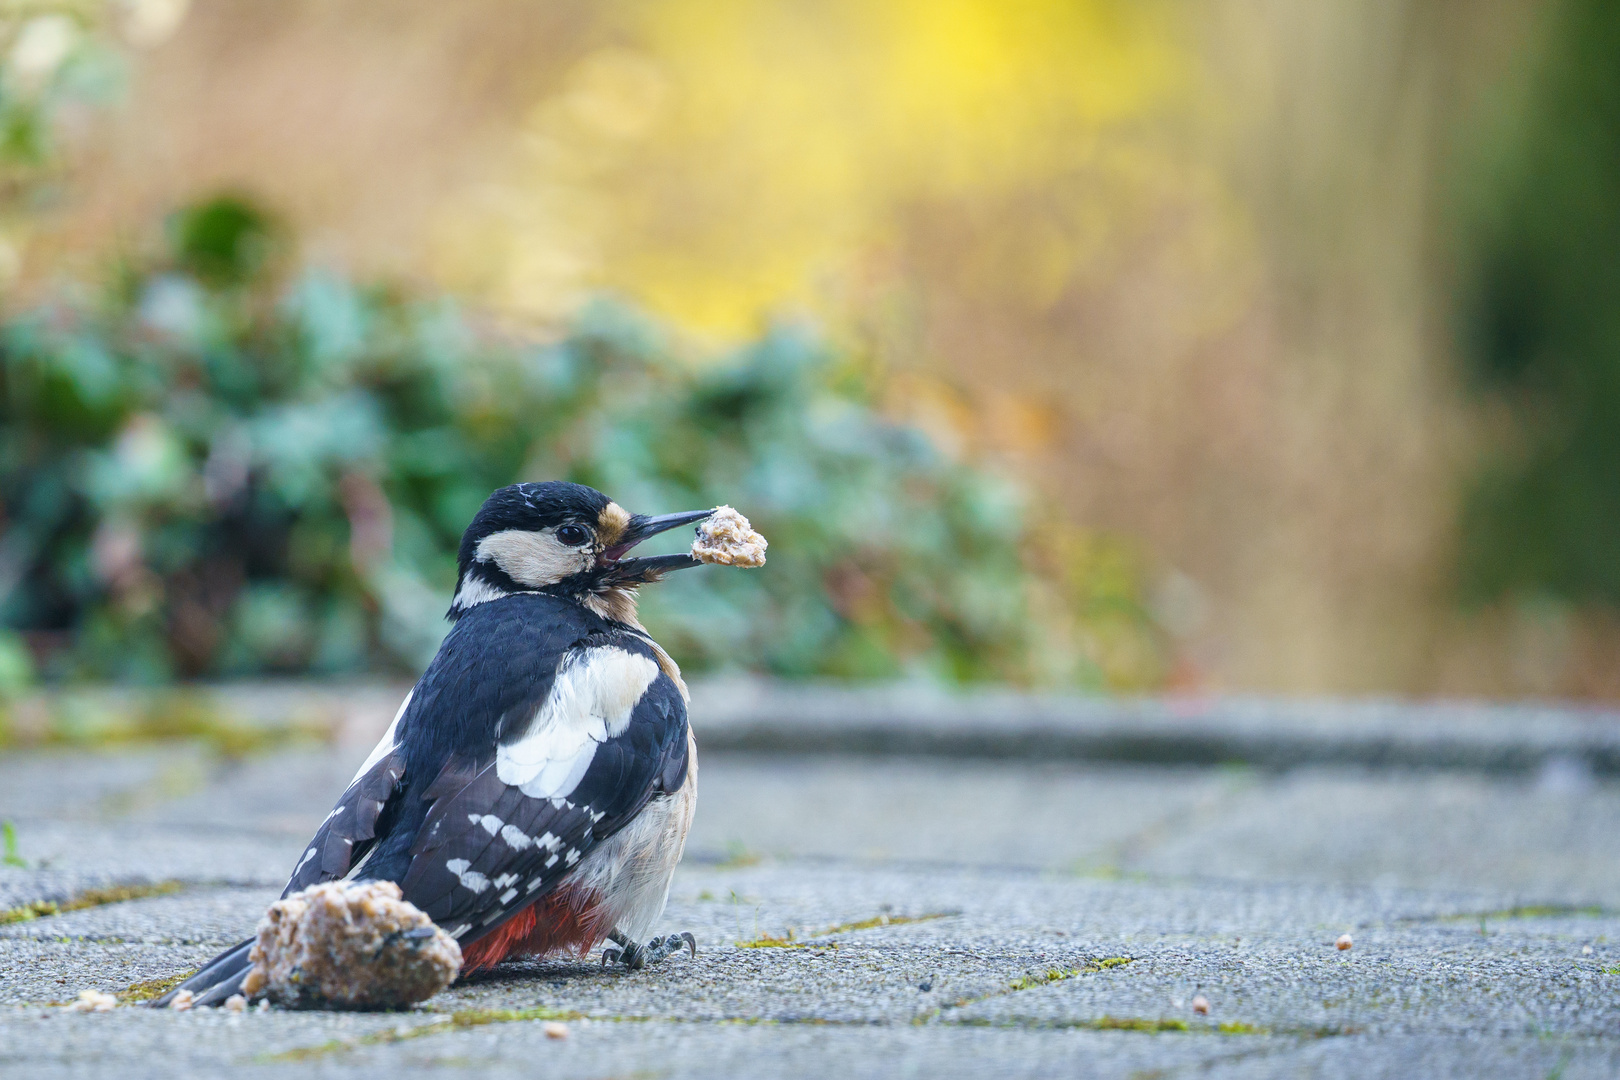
[635, 956]
[658, 948]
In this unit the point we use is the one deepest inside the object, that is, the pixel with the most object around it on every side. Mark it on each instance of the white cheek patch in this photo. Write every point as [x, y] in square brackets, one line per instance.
[590, 702]
[533, 559]
[385, 745]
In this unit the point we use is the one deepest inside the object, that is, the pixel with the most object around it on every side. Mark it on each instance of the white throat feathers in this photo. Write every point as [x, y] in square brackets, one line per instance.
[617, 604]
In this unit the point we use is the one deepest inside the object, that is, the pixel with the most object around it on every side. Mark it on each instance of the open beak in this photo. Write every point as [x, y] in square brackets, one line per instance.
[652, 567]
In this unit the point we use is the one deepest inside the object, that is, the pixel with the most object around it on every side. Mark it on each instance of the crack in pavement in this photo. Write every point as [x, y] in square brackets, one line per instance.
[89, 898]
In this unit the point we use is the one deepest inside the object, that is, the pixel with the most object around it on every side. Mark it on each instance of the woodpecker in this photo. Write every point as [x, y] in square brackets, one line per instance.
[534, 791]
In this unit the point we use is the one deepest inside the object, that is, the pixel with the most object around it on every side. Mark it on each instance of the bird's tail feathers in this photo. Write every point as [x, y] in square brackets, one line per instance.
[218, 980]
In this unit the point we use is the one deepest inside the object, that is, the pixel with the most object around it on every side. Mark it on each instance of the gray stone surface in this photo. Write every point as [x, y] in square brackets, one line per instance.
[760, 714]
[1056, 817]
[1485, 912]
[1445, 830]
[919, 718]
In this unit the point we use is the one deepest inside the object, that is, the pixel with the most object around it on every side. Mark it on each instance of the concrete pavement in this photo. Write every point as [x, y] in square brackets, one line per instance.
[889, 915]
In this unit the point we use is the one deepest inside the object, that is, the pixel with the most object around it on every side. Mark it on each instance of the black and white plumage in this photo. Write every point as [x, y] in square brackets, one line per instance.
[535, 789]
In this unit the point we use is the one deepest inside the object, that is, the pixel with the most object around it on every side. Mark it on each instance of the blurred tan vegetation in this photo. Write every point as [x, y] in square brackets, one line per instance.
[1175, 262]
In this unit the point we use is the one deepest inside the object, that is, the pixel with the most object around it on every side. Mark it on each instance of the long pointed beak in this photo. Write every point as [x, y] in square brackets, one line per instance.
[641, 526]
[652, 567]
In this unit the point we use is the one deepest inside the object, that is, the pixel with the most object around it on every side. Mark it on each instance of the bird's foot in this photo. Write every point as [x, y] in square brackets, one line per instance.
[658, 948]
[635, 956]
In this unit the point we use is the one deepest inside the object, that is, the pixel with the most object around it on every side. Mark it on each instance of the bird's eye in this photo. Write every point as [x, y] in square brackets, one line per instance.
[573, 535]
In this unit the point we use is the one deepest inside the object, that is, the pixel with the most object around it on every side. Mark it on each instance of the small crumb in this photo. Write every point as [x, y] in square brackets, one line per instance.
[1586, 950]
[554, 1030]
[1200, 1005]
[94, 1001]
[1343, 943]
[264, 1005]
[726, 538]
[181, 1001]
[236, 1003]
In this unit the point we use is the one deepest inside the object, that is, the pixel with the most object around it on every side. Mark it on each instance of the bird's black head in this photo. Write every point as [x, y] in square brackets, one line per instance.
[565, 539]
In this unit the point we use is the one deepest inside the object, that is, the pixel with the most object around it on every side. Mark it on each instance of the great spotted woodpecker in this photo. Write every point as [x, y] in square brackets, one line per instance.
[535, 789]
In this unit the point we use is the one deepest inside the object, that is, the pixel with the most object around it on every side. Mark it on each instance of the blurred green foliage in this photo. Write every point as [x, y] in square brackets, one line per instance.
[1541, 322]
[218, 466]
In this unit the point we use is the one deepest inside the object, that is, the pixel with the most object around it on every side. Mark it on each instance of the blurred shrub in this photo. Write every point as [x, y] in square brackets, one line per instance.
[213, 469]
[1541, 323]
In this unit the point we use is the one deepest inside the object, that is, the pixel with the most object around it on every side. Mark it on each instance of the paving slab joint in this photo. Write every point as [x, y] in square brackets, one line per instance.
[89, 898]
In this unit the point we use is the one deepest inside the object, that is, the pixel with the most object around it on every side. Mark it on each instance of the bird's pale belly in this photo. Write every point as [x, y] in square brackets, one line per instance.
[622, 884]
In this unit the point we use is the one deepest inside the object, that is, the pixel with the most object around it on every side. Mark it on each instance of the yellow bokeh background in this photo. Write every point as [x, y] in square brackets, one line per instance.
[725, 161]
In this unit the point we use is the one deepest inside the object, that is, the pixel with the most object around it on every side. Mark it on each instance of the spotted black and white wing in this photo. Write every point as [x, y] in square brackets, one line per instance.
[504, 831]
[496, 663]
[350, 830]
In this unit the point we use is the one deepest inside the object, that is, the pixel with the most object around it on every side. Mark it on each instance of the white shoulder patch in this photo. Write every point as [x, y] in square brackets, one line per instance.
[385, 745]
[590, 702]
